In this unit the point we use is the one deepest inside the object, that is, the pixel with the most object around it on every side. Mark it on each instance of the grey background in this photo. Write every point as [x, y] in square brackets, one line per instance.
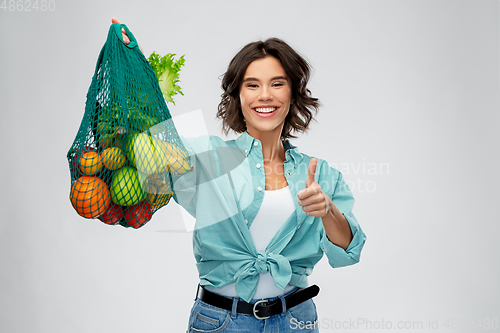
[410, 100]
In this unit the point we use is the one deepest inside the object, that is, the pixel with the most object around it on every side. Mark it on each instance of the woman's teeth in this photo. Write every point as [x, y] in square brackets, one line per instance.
[265, 110]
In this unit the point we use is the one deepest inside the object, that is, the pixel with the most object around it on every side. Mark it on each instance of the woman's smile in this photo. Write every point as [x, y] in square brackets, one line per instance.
[266, 111]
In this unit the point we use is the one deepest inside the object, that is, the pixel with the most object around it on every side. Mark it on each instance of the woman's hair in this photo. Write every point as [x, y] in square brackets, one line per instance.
[296, 68]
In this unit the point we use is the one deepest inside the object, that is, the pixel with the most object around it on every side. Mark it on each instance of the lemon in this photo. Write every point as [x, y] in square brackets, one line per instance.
[113, 158]
[147, 154]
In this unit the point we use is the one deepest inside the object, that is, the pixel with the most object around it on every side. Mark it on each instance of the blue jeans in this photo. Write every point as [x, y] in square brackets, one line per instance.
[207, 318]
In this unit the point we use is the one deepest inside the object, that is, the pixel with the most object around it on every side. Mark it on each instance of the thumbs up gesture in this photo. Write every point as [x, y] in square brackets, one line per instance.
[312, 199]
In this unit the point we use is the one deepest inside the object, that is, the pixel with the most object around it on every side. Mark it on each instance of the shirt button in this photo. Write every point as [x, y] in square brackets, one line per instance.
[246, 221]
[259, 188]
[258, 165]
[255, 143]
[289, 173]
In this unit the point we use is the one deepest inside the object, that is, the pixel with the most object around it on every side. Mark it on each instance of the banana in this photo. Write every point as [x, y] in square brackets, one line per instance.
[177, 158]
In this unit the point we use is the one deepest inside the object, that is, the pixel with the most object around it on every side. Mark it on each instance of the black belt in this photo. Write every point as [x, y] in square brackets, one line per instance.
[261, 309]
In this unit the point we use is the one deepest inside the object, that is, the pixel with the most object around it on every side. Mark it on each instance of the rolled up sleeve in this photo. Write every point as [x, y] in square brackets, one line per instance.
[337, 256]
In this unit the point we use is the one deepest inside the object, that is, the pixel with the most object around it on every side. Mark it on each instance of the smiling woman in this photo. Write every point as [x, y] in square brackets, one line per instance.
[259, 235]
[266, 98]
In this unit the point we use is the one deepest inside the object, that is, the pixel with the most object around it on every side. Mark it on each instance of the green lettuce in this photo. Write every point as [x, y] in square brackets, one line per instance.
[167, 71]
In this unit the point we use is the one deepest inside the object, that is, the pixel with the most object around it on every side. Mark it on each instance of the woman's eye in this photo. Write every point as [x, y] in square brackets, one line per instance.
[252, 85]
[277, 84]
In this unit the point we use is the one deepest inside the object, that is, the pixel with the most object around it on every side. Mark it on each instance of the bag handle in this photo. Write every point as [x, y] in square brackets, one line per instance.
[118, 30]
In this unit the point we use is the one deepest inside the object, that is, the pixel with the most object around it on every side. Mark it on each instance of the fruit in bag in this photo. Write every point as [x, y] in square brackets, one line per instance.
[113, 215]
[137, 215]
[147, 154]
[159, 193]
[113, 158]
[90, 196]
[126, 189]
[90, 163]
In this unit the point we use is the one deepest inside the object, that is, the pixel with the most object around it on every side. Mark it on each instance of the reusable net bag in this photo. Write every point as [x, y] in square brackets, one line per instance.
[127, 153]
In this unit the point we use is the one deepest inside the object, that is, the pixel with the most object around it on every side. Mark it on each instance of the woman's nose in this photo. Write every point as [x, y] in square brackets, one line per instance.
[265, 94]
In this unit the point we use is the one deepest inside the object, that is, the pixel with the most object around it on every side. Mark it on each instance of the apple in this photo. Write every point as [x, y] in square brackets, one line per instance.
[137, 215]
[113, 215]
[126, 189]
[148, 154]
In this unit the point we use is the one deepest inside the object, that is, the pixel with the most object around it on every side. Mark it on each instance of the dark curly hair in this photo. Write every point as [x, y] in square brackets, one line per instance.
[296, 68]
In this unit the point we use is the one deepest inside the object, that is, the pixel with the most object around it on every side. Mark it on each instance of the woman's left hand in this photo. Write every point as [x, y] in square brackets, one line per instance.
[125, 37]
[312, 199]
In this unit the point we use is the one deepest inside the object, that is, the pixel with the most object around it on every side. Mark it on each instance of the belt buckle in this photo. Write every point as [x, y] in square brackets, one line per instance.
[255, 310]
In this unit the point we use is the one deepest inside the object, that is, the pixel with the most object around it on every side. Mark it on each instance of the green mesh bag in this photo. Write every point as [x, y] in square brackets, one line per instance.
[127, 152]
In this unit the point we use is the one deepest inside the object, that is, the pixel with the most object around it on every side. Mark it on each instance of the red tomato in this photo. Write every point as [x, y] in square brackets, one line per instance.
[113, 215]
[137, 215]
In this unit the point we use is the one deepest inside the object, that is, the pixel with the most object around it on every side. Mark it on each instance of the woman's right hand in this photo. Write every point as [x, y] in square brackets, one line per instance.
[126, 40]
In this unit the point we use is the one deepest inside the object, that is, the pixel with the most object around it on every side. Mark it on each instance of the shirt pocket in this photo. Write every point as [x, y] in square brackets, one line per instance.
[208, 319]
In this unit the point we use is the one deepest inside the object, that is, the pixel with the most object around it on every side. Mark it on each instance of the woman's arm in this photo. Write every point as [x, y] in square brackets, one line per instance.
[316, 203]
[336, 226]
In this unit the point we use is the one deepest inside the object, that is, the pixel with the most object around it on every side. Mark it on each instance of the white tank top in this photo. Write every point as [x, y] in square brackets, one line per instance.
[276, 207]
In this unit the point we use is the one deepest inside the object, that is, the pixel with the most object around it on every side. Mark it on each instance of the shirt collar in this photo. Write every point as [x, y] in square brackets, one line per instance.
[294, 151]
[245, 141]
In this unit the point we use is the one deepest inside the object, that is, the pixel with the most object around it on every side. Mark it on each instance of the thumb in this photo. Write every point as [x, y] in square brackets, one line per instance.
[311, 172]
[115, 20]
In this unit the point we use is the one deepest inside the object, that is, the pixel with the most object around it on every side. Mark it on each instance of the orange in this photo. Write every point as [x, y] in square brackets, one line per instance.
[90, 196]
[90, 163]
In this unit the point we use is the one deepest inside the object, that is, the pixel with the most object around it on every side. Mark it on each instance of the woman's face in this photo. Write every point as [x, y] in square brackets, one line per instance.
[265, 96]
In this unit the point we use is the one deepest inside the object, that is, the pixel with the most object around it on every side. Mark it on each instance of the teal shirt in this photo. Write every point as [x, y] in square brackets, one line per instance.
[224, 193]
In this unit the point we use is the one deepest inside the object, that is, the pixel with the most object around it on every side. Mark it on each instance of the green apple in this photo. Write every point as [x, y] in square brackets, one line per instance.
[126, 189]
[148, 154]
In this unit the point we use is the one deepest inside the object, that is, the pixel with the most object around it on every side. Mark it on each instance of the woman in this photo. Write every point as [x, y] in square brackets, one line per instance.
[262, 227]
